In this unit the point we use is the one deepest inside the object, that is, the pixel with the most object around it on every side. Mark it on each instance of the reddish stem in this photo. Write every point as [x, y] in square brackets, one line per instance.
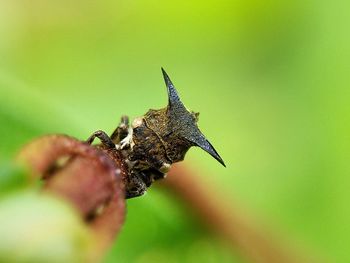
[90, 179]
[230, 221]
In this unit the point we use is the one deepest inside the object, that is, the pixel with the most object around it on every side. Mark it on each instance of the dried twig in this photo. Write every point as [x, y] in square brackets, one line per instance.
[86, 177]
[230, 221]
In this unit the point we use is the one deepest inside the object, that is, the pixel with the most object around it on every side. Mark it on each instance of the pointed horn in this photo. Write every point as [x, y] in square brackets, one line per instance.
[172, 93]
[211, 150]
[203, 143]
[183, 121]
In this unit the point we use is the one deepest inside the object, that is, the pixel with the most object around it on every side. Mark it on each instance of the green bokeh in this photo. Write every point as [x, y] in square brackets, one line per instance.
[270, 79]
[41, 228]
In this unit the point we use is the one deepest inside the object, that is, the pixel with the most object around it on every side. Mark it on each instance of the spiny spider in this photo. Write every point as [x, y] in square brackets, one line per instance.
[155, 141]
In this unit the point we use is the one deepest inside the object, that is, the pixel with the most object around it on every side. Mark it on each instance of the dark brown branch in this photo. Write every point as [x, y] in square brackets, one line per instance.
[230, 221]
[87, 177]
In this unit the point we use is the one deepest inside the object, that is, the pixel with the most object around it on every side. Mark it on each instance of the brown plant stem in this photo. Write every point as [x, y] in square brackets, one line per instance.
[88, 178]
[230, 221]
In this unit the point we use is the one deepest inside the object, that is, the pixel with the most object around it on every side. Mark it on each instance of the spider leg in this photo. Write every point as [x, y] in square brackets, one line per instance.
[135, 186]
[104, 138]
[121, 131]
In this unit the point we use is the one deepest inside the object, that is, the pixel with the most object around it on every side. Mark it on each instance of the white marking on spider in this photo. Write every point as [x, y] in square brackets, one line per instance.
[127, 141]
[137, 122]
[165, 168]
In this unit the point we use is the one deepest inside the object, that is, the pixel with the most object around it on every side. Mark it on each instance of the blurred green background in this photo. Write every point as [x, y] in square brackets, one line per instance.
[270, 78]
